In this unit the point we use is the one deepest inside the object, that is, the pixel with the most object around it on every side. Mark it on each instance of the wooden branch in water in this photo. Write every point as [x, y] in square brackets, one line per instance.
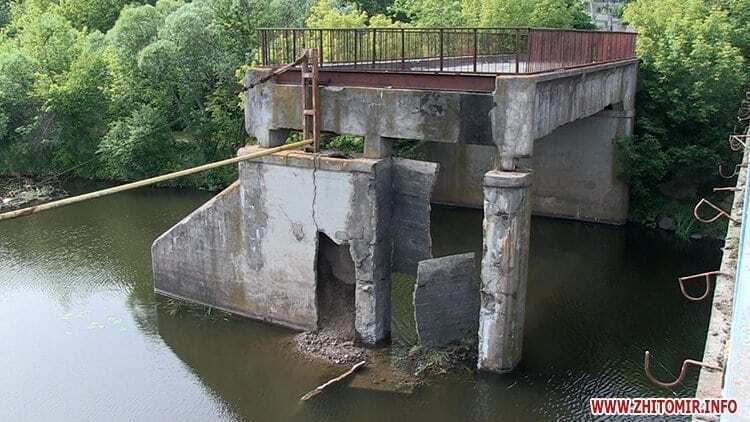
[340, 378]
[147, 182]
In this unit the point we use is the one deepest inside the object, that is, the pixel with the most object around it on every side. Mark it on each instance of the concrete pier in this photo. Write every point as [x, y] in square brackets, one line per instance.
[270, 246]
[305, 240]
[507, 223]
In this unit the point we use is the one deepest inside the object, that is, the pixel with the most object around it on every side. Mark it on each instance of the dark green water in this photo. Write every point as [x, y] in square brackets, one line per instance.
[83, 337]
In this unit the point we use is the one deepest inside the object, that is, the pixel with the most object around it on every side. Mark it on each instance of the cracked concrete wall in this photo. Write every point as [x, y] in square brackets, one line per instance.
[289, 199]
[507, 222]
[253, 249]
[446, 300]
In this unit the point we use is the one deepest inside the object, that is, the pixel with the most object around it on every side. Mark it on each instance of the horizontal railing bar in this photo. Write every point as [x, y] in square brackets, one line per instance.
[437, 29]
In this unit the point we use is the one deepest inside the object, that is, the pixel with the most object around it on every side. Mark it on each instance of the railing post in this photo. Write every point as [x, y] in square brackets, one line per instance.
[356, 45]
[517, 47]
[594, 42]
[441, 49]
[475, 50]
[263, 57]
[320, 45]
[286, 46]
[403, 58]
[374, 31]
[294, 44]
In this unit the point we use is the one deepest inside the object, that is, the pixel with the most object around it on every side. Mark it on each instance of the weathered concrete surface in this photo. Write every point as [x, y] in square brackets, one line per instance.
[528, 107]
[522, 108]
[507, 219]
[576, 174]
[255, 250]
[413, 182]
[575, 170]
[376, 114]
[720, 329]
[446, 300]
[200, 258]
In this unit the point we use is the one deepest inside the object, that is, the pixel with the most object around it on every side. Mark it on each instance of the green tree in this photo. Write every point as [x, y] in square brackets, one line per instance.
[494, 13]
[325, 14]
[137, 145]
[692, 74]
[92, 14]
[4, 13]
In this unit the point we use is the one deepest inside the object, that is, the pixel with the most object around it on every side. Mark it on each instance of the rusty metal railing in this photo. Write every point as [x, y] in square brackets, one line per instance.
[446, 50]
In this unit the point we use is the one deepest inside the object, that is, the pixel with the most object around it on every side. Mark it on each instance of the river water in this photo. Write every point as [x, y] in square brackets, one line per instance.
[83, 337]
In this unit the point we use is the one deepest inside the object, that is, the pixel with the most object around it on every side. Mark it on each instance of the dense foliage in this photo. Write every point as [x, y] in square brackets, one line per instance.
[694, 70]
[122, 89]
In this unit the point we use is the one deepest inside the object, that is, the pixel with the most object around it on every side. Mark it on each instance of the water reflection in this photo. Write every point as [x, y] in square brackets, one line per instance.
[84, 337]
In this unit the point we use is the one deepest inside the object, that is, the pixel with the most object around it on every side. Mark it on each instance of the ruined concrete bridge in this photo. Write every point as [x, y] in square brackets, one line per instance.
[518, 121]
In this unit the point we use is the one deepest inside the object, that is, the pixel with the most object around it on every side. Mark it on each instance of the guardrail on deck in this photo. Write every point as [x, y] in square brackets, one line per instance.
[447, 50]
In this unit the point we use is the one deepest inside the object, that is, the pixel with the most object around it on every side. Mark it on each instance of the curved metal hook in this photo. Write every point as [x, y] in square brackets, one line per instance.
[720, 213]
[737, 142]
[683, 371]
[707, 276]
[736, 170]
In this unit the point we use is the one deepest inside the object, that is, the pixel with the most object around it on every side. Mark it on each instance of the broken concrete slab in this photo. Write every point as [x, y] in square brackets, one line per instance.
[446, 300]
[413, 182]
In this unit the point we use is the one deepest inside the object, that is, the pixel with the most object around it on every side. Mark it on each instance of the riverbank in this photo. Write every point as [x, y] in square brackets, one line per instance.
[19, 192]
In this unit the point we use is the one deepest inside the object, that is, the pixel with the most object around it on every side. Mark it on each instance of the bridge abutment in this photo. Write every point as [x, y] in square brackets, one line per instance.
[254, 249]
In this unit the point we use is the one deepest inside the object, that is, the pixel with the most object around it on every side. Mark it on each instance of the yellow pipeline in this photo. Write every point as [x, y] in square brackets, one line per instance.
[147, 182]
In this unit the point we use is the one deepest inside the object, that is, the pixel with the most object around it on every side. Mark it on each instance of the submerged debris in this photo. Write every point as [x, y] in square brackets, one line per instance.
[437, 361]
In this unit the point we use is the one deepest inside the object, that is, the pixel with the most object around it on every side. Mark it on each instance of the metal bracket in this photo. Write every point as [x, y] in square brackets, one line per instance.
[737, 168]
[275, 73]
[738, 142]
[707, 276]
[728, 189]
[720, 213]
[683, 371]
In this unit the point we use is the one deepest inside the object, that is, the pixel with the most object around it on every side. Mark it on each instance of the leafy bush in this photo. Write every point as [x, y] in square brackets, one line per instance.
[139, 146]
[693, 72]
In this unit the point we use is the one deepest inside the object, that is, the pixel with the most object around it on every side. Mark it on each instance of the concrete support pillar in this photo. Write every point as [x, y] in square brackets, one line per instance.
[513, 119]
[507, 220]
[377, 147]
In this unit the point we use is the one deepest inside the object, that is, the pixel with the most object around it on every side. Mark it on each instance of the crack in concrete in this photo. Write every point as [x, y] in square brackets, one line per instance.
[316, 162]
